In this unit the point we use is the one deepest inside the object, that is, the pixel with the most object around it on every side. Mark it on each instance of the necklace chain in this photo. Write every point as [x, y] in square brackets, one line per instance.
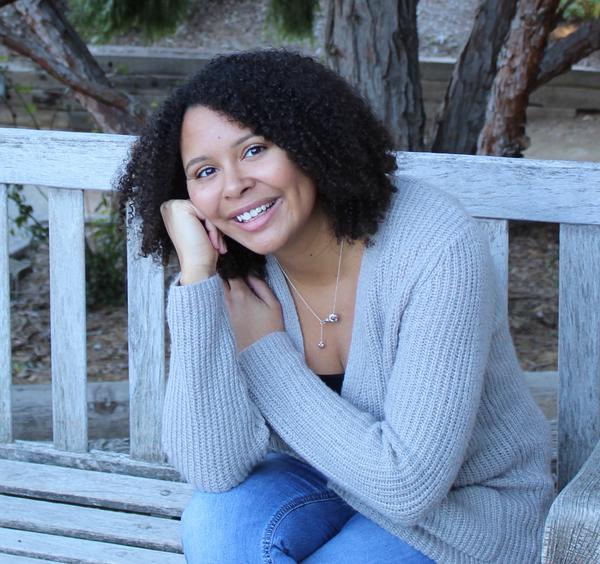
[332, 317]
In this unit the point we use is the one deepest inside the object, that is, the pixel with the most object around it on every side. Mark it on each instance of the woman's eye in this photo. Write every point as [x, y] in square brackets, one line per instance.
[206, 171]
[254, 150]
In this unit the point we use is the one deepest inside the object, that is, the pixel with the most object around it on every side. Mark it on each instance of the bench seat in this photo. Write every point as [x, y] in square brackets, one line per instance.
[68, 514]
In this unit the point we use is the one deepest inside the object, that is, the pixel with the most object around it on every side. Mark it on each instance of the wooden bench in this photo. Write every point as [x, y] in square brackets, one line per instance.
[63, 501]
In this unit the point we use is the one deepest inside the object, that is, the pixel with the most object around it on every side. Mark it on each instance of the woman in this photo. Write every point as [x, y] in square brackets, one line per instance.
[343, 386]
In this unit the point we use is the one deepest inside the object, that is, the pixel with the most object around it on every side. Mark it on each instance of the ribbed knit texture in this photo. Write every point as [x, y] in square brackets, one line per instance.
[435, 435]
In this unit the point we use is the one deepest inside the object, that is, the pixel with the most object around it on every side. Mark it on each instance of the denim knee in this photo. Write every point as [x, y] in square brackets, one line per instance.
[213, 525]
[260, 517]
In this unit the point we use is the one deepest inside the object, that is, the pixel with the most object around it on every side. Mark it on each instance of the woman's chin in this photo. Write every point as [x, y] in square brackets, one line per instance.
[259, 247]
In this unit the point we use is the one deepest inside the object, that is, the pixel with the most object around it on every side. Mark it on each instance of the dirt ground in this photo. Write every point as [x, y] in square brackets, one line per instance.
[239, 24]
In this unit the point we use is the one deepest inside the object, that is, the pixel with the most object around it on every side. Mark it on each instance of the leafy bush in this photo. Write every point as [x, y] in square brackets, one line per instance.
[293, 19]
[25, 219]
[105, 258]
[99, 20]
[581, 9]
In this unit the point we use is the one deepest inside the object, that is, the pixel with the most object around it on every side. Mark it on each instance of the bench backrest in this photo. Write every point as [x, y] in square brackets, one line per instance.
[493, 189]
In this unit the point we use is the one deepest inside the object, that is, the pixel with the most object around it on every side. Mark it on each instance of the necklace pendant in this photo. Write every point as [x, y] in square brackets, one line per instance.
[321, 345]
[333, 318]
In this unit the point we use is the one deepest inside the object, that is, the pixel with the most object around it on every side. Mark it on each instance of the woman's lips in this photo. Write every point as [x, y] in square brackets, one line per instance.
[260, 220]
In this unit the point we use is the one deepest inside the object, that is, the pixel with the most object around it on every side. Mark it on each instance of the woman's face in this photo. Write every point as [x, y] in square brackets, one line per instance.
[246, 186]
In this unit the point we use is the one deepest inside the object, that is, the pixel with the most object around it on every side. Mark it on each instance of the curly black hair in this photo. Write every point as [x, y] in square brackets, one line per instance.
[323, 124]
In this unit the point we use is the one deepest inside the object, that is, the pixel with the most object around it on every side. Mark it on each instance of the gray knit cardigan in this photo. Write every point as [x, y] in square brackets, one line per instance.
[434, 436]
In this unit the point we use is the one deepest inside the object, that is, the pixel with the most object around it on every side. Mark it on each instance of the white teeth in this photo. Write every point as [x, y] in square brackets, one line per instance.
[251, 214]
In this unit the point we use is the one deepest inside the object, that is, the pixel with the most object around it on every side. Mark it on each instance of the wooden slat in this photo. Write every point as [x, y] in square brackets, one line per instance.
[145, 299]
[62, 159]
[578, 347]
[97, 489]
[503, 188]
[95, 460]
[6, 431]
[553, 191]
[67, 319]
[497, 231]
[572, 528]
[117, 527]
[65, 549]
[107, 410]
[12, 559]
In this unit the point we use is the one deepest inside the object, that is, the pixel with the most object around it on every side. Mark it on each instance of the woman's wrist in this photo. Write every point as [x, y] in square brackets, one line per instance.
[193, 275]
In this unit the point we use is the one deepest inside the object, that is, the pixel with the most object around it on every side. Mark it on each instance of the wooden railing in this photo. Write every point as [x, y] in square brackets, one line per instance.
[68, 165]
[492, 189]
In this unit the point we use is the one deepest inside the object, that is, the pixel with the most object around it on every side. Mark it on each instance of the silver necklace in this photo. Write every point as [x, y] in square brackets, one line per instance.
[332, 317]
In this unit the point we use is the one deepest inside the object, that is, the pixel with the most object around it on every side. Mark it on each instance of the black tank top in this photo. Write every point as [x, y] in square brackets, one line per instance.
[334, 381]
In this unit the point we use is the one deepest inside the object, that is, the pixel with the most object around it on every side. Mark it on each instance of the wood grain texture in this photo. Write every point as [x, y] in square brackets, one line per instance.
[497, 231]
[97, 489]
[67, 319]
[107, 410]
[65, 549]
[12, 559]
[503, 188]
[95, 460]
[146, 331]
[63, 159]
[578, 347]
[572, 531]
[89, 523]
[6, 430]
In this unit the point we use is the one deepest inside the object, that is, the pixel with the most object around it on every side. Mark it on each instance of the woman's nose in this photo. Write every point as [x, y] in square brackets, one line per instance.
[235, 182]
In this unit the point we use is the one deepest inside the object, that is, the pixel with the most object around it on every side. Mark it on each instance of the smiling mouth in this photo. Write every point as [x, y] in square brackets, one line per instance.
[250, 215]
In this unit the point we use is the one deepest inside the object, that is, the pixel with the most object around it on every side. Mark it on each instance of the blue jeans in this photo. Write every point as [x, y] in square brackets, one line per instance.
[283, 513]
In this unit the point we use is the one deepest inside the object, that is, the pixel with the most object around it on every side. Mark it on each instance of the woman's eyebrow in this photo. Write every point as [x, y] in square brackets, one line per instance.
[204, 157]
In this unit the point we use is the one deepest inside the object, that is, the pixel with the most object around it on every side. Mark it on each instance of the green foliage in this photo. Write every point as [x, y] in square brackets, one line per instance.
[99, 20]
[293, 19]
[581, 9]
[105, 258]
[25, 219]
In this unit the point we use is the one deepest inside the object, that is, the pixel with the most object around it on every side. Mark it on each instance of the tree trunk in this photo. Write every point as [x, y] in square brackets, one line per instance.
[462, 114]
[374, 45]
[504, 131]
[39, 30]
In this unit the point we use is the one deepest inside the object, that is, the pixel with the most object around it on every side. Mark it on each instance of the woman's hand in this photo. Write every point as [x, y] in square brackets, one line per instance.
[254, 311]
[196, 240]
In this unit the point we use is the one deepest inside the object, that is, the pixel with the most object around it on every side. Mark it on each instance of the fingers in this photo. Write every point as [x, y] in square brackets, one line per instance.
[252, 285]
[262, 290]
[198, 213]
[215, 236]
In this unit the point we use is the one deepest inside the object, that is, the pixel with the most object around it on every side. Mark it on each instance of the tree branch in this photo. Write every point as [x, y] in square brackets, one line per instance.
[560, 56]
[36, 53]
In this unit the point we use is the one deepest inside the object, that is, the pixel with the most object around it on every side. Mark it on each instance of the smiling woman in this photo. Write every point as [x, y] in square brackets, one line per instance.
[342, 375]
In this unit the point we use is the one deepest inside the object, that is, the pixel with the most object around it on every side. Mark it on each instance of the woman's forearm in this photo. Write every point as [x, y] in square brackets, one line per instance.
[212, 432]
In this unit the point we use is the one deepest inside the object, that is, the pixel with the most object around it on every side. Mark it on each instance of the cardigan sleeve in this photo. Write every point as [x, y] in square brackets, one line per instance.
[213, 434]
[402, 466]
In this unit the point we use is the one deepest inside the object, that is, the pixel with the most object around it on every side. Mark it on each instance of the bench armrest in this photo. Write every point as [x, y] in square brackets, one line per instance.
[572, 530]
